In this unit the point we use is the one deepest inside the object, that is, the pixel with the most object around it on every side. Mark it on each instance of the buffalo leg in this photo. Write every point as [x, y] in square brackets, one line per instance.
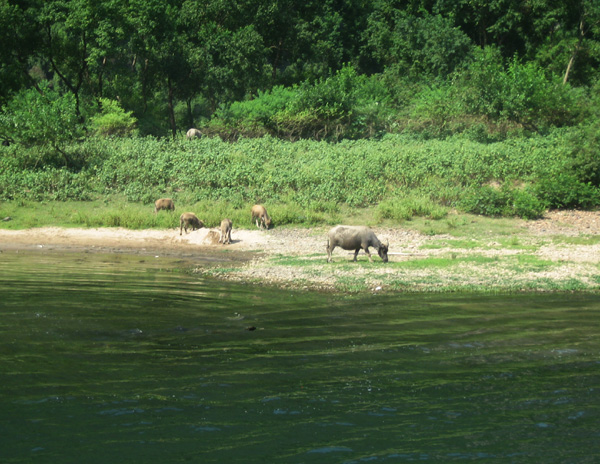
[368, 254]
[329, 251]
[356, 253]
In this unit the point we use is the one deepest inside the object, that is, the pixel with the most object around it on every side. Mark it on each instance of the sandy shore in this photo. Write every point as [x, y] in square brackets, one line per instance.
[129, 241]
[557, 252]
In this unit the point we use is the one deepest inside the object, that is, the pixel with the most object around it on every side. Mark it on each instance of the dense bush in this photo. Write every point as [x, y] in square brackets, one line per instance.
[426, 46]
[345, 105]
[564, 190]
[404, 176]
[492, 98]
[490, 201]
[112, 120]
[41, 117]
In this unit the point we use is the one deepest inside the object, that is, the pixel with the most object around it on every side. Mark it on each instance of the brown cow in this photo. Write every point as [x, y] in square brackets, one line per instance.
[164, 203]
[189, 220]
[226, 226]
[259, 212]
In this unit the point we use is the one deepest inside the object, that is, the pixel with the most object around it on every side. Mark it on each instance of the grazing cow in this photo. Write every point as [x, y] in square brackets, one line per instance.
[164, 203]
[355, 238]
[193, 134]
[259, 213]
[189, 220]
[225, 236]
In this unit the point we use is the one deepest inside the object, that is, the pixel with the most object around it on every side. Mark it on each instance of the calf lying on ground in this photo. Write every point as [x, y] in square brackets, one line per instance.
[189, 220]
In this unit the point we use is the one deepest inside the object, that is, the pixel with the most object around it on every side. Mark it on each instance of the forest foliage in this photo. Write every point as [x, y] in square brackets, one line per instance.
[492, 107]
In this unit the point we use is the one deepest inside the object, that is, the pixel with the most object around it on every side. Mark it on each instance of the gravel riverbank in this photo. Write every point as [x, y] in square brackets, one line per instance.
[560, 252]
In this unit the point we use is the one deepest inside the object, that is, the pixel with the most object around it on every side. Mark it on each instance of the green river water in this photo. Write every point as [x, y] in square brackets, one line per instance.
[120, 359]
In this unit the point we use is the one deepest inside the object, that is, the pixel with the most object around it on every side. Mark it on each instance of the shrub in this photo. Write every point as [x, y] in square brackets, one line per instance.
[525, 204]
[517, 92]
[405, 208]
[507, 201]
[310, 180]
[564, 190]
[345, 105]
[41, 118]
[485, 200]
[112, 120]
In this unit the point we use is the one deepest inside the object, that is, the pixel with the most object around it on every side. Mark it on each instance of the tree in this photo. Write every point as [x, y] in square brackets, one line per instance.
[20, 38]
[566, 39]
[43, 119]
[418, 46]
[226, 55]
[589, 24]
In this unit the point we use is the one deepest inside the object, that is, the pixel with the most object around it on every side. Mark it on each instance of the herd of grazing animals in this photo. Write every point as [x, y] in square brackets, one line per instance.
[354, 238]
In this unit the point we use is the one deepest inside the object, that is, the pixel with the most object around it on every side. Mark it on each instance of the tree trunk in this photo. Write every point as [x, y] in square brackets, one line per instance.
[569, 66]
[101, 79]
[171, 109]
[190, 114]
[575, 51]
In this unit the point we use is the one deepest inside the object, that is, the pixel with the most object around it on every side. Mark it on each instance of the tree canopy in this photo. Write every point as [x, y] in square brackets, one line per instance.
[175, 64]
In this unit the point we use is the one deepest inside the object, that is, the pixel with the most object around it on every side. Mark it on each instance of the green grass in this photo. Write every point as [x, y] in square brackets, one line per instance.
[529, 263]
[465, 244]
[445, 262]
[116, 211]
[578, 240]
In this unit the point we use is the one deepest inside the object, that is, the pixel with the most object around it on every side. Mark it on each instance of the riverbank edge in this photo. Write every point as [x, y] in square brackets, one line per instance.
[534, 257]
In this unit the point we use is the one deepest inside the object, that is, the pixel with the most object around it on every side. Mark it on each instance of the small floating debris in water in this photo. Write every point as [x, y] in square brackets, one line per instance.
[251, 328]
[237, 317]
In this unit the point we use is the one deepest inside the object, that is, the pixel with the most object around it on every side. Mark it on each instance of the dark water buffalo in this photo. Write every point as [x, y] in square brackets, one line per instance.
[259, 213]
[189, 220]
[226, 226]
[193, 134]
[164, 203]
[355, 238]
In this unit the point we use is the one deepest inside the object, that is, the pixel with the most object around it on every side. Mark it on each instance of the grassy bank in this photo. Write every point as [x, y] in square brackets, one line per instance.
[116, 211]
[397, 177]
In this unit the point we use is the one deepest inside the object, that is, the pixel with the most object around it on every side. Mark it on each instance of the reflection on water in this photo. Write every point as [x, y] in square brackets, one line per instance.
[124, 359]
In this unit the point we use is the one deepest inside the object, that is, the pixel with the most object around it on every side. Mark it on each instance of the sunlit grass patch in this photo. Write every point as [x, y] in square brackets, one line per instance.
[516, 243]
[550, 285]
[286, 260]
[577, 240]
[466, 226]
[466, 244]
[97, 213]
[351, 283]
[529, 263]
[445, 262]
